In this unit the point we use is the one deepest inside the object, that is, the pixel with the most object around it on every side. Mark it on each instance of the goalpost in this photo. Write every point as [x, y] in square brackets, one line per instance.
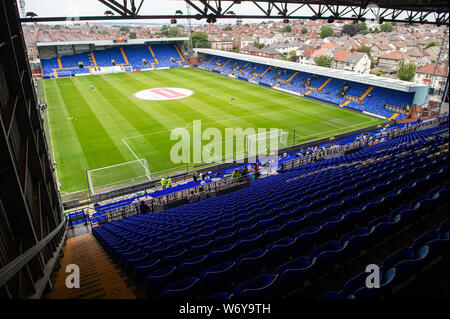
[258, 143]
[116, 176]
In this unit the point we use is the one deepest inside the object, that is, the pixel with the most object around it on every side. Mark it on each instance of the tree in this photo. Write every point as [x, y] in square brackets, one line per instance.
[364, 48]
[170, 32]
[258, 45]
[125, 29]
[350, 29]
[324, 61]
[200, 40]
[304, 31]
[132, 35]
[387, 27]
[287, 28]
[431, 44]
[406, 71]
[228, 28]
[293, 52]
[326, 32]
[362, 26]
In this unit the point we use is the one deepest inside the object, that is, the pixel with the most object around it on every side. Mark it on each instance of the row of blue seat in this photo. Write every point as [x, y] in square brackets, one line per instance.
[148, 230]
[398, 267]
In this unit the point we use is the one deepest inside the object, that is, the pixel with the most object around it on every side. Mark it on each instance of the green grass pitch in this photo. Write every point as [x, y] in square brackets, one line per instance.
[106, 126]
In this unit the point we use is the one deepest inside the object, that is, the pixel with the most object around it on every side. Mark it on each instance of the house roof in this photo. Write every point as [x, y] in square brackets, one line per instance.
[319, 52]
[341, 56]
[441, 70]
[309, 51]
[329, 45]
[250, 48]
[396, 55]
[415, 52]
[269, 50]
[355, 57]
[383, 46]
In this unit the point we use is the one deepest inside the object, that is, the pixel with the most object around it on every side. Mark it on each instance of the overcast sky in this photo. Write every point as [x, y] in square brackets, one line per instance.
[45, 8]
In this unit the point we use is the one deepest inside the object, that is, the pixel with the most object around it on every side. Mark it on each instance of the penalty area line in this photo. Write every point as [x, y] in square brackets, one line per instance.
[138, 159]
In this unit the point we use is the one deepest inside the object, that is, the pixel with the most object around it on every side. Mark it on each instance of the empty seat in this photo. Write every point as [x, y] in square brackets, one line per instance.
[186, 288]
[260, 287]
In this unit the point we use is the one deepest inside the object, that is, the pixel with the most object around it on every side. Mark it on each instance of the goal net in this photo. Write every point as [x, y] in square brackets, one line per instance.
[116, 176]
[273, 140]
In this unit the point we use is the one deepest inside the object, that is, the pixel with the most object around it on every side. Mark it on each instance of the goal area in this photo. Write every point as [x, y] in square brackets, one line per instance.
[108, 178]
[273, 140]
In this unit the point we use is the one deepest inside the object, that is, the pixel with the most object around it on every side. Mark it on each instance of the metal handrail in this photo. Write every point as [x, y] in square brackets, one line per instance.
[8, 271]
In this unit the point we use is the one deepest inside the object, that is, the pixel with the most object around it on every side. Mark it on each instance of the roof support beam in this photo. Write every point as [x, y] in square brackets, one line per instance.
[350, 10]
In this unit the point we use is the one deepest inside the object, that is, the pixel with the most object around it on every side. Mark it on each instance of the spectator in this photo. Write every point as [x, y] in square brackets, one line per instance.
[143, 208]
[163, 183]
[193, 198]
[256, 170]
[169, 182]
[235, 175]
[202, 194]
[244, 173]
[195, 177]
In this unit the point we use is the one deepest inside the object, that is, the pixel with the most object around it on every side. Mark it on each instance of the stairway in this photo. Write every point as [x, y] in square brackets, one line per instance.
[99, 278]
[361, 98]
[124, 56]
[323, 85]
[394, 116]
[93, 59]
[153, 54]
[345, 103]
[207, 62]
[307, 92]
[244, 66]
[59, 63]
[290, 79]
[179, 53]
[267, 70]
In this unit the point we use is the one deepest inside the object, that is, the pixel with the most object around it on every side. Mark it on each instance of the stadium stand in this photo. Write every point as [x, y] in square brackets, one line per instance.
[155, 56]
[322, 219]
[356, 96]
[307, 231]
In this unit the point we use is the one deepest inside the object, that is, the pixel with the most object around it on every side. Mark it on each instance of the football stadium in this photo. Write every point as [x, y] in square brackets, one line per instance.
[145, 168]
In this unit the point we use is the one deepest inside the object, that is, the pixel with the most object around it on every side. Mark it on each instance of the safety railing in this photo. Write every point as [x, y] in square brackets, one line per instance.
[55, 240]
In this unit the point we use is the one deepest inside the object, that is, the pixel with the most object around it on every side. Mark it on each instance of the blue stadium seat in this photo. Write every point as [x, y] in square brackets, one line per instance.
[261, 287]
[186, 288]
[217, 278]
